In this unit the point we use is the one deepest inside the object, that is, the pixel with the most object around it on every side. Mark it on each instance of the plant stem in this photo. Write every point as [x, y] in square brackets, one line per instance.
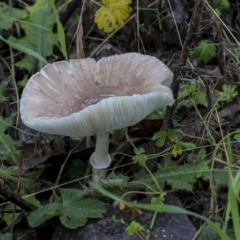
[153, 178]
[100, 159]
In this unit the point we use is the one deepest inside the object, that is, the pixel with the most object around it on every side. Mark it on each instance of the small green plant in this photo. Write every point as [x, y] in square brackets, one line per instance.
[8, 236]
[221, 5]
[172, 135]
[228, 93]
[37, 24]
[205, 51]
[225, 4]
[9, 148]
[134, 228]
[236, 136]
[192, 93]
[237, 52]
[179, 146]
[158, 200]
[140, 157]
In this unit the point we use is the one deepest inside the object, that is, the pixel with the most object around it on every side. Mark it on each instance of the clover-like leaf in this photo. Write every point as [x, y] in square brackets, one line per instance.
[140, 157]
[134, 228]
[112, 14]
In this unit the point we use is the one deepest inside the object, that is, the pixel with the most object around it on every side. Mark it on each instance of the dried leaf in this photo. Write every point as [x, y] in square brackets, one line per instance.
[127, 208]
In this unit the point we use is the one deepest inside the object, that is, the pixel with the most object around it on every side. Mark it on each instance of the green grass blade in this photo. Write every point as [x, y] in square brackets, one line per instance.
[234, 211]
[24, 49]
[162, 208]
[60, 31]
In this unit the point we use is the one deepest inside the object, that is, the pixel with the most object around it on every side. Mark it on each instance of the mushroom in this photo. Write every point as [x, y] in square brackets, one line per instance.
[84, 98]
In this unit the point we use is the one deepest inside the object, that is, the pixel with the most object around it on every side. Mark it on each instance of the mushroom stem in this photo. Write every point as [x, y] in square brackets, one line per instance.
[100, 159]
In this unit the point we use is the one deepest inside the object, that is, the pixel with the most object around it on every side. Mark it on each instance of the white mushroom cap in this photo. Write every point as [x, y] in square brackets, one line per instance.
[84, 97]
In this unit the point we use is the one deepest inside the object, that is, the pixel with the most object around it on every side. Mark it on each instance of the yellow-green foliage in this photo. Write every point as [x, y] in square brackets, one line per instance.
[112, 14]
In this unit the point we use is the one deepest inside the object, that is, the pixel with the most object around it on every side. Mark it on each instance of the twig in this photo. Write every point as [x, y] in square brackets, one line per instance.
[12, 197]
[79, 35]
[191, 33]
[63, 166]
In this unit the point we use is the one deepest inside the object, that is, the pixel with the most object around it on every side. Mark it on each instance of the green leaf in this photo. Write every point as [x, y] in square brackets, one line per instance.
[157, 200]
[187, 145]
[223, 3]
[228, 94]
[139, 151]
[237, 52]
[217, 13]
[5, 172]
[205, 51]
[9, 149]
[180, 177]
[208, 233]
[8, 216]
[24, 49]
[172, 136]
[201, 98]
[115, 181]
[140, 157]
[58, 145]
[60, 31]
[44, 213]
[201, 155]
[38, 27]
[134, 228]
[9, 14]
[237, 136]
[234, 209]
[73, 211]
[179, 146]
[3, 87]
[177, 149]
[7, 236]
[160, 137]
[183, 177]
[186, 90]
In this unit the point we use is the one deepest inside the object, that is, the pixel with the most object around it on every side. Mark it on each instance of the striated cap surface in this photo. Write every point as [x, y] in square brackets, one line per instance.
[84, 97]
